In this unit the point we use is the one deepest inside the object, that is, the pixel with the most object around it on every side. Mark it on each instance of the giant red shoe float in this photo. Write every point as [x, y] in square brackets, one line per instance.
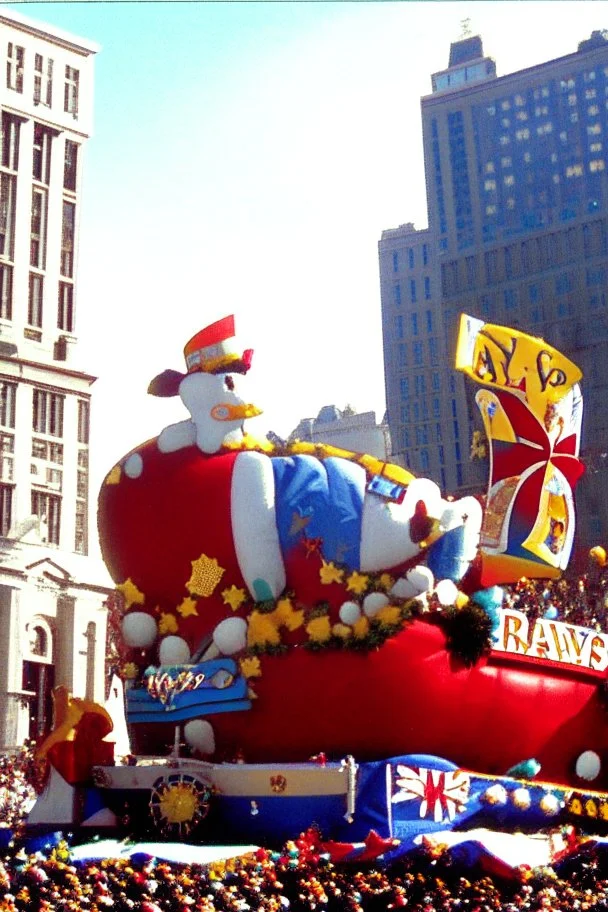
[306, 573]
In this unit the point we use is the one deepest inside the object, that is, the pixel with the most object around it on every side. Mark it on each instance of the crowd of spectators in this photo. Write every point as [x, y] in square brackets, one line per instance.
[291, 882]
[576, 598]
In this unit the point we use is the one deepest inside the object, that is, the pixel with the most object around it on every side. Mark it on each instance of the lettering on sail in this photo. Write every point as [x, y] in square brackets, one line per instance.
[553, 641]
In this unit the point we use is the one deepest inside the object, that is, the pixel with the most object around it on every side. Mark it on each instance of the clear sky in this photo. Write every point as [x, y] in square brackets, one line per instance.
[246, 158]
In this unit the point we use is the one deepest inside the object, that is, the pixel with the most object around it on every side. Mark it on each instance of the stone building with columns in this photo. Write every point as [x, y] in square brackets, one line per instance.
[52, 592]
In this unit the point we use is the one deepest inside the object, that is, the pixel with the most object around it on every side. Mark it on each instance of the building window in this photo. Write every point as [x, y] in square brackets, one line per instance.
[34, 304]
[6, 291]
[410, 257]
[43, 81]
[7, 456]
[47, 451]
[41, 164]
[15, 59]
[6, 508]
[65, 307]
[425, 254]
[399, 326]
[429, 321]
[80, 534]
[10, 142]
[395, 259]
[70, 165]
[82, 496]
[70, 94]
[67, 239]
[417, 352]
[427, 288]
[8, 394]
[38, 228]
[47, 507]
[48, 413]
[413, 290]
[404, 387]
[8, 188]
[397, 294]
[83, 420]
[414, 318]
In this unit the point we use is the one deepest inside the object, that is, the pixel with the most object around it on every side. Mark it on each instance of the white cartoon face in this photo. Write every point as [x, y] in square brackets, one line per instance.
[215, 407]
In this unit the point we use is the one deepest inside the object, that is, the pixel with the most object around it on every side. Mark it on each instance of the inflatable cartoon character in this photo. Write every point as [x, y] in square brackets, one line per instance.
[297, 564]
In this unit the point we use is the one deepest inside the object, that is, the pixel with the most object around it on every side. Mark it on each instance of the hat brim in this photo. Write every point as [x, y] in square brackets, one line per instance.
[167, 383]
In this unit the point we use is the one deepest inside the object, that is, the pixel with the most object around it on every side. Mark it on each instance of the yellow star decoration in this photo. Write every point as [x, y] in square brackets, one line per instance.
[361, 628]
[286, 615]
[319, 629]
[357, 582]
[131, 593]
[129, 671]
[329, 573]
[206, 574]
[188, 608]
[167, 623]
[113, 476]
[250, 667]
[385, 581]
[342, 631]
[234, 597]
[262, 630]
[389, 615]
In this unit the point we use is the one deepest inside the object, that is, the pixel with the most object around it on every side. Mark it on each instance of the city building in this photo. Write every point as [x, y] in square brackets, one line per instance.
[350, 430]
[517, 199]
[52, 593]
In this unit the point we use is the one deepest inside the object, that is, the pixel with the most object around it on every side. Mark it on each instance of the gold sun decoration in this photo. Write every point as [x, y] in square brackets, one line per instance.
[206, 574]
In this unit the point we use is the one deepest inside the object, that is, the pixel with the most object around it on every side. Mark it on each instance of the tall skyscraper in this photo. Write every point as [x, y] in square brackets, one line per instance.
[517, 191]
[51, 593]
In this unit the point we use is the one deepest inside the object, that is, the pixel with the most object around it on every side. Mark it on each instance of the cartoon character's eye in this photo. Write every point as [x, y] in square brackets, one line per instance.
[228, 382]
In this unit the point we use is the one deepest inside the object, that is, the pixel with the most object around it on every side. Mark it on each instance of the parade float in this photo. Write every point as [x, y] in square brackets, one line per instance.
[314, 636]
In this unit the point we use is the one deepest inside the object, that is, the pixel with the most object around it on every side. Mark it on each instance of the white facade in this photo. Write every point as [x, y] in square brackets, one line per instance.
[51, 593]
[357, 432]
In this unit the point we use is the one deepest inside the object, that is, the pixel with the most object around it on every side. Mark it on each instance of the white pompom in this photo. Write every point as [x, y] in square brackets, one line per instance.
[419, 579]
[373, 602]
[134, 466]
[230, 636]
[139, 629]
[199, 735]
[446, 591]
[588, 765]
[173, 650]
[349, 613]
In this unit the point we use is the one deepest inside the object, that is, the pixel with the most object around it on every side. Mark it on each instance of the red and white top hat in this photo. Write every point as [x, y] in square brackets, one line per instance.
[213, 350]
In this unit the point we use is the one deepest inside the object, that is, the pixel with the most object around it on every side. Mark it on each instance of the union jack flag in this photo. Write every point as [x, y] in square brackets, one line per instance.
[442, 794]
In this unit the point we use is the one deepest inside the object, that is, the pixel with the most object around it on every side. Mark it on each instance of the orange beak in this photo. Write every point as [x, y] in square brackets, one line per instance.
[228, 412]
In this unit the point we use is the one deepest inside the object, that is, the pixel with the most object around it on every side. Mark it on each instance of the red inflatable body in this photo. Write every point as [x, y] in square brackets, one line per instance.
[408, 695]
